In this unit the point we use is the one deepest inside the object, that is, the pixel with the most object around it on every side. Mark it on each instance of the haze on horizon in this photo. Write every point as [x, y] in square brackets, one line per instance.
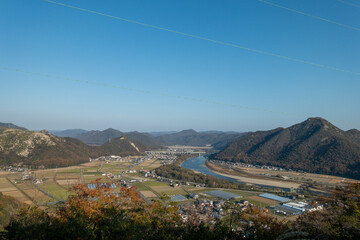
[63, 68]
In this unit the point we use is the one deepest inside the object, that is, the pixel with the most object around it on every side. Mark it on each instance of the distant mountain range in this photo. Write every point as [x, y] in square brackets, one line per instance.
[74, 146]
[96, 137]
[190, 137]
[68, 133]
[43, 148]
[314, 145]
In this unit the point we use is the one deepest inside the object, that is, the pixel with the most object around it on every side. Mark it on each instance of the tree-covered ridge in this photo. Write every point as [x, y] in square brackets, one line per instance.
[314, 145]
[42, 148]
[11, 125]
[192, 138]
[354, 134]
[96, 137]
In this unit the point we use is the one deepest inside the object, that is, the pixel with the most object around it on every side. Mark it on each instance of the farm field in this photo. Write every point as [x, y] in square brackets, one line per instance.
[320, 178]
[260, 201]
[252, 179]
[55, 183]
[149, 165]
[252, 197]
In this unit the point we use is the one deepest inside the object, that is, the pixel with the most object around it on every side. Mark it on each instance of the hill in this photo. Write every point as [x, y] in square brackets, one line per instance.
[146, 139]
[354, 134]
[314, 145]
[122, 146]
[68, 133]
[96, 137]
[10, 125]
[160, 133]
[42, 148]
[153, 140]
[192, 138]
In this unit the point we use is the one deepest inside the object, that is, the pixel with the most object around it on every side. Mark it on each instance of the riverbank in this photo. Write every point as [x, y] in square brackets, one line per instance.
[250, 180]
[184, 173]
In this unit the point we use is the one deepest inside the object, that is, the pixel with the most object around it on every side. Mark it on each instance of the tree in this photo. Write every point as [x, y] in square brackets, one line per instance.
[97, 214]
[340, 218]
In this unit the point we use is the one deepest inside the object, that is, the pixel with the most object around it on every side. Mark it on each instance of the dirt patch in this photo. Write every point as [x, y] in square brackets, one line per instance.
[264, 200]
[16, 194]
[68, 181]
[8, 189]
[148, 193]
[36, 194]
[162, 188]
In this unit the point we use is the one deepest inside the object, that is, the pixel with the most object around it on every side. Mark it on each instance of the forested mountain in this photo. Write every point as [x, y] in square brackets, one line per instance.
[123, 146]
[160, 133]
[314, 145]
[97, 137]
[145, 138]
[354, 134]
[192, 138]
[10, 125]
[42, 148]
[68, 133]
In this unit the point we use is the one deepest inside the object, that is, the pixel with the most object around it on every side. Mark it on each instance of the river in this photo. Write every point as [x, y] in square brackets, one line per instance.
[197, 165]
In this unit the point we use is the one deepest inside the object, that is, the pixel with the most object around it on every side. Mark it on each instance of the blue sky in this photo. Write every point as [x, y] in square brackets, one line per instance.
[230, 88]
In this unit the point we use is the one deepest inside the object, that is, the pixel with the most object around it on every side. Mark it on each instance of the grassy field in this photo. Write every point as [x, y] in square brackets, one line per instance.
[135, 175]
[57, 182]
[325, 179]
[92, 169]
[91, 178]
[155, 184]
[75, 170]
[169, 190]
[55, 190]
[92, 173]
[263, 201]
[140, 187]
[149, 165]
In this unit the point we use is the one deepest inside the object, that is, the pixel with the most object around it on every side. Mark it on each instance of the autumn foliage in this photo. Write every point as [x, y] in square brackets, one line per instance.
[97, 214]
[102, 214]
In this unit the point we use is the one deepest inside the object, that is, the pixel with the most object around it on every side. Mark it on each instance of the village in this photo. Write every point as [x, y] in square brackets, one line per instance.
[44, 186]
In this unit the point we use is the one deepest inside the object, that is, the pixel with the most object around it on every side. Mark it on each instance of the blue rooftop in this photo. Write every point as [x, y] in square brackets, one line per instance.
[223, 195]
[274, 197]
[94, 185]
